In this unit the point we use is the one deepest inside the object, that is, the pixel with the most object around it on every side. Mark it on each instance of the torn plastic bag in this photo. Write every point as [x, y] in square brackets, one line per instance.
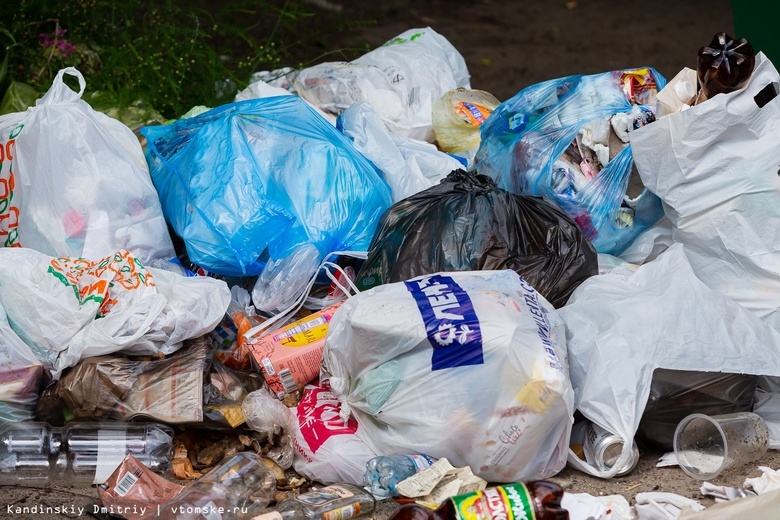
[470, 366]
[407, 165]
[676, 394]
[467, 223]
[74, 182]
[187, 388]
[401, 80]
[67, 309]
[264, 186]
[566, 139]
[269, 416]
[715, 168]
[327, 448]
[621, 327]
[21, 376]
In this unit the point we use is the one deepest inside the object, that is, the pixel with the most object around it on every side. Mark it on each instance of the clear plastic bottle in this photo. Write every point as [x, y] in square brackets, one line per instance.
[383, 473]
[238, 488]
[334, 502]
[35, 452]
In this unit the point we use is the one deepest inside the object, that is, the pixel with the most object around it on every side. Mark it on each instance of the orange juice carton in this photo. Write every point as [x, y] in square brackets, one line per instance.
[290, 357]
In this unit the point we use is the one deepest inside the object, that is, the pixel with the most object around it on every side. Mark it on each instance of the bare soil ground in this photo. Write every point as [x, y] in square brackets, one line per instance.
[509, 45]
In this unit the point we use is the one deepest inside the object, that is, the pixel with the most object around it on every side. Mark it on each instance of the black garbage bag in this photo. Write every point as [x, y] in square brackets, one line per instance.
[467, 223]
[676, 394]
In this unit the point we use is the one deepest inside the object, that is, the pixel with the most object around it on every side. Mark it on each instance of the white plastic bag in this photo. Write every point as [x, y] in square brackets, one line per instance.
[621, 327]
[327, 448]
[715, 167]
[21, 376]
[67, 309]
[470, 366]
[74, 182]
[407, 165]
[401, 80]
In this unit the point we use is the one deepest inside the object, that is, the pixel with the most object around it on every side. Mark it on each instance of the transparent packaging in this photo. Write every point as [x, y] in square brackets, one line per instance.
[35, 452]
[383, 473]
[336, 502]
[239, 487]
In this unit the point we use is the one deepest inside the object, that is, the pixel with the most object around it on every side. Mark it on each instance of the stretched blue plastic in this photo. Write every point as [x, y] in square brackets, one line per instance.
[525, 136]
[251, 182]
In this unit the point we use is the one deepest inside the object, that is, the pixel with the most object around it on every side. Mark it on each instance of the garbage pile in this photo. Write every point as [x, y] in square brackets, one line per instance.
[367, 280]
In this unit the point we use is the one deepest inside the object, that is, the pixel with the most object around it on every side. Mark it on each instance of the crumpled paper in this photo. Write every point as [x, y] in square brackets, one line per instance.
[663, 506]
[440, 482]
[583, 506]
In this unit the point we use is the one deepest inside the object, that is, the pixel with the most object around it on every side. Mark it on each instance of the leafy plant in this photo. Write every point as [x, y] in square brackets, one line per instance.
[169, 54]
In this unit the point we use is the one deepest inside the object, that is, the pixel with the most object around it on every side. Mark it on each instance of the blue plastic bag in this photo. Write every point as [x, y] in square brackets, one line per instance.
[535, 143]
[249, 184]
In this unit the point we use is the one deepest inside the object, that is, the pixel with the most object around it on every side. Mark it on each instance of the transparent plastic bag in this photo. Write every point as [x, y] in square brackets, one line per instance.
[21, 376]
[566, 139]
[457, 116]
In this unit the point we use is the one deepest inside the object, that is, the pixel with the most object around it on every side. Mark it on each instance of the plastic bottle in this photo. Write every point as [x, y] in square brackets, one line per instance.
[35, 452]
[725, 65]
[538, 499]
[384, 472]
[334, 502]
[239, 487]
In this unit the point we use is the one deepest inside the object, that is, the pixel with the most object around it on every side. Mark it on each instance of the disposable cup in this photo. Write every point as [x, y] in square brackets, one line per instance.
[706, 445]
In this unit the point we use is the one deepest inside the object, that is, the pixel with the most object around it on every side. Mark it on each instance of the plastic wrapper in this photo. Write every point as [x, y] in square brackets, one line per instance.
[264, 186]
[135, 490]
[567, 139]
[467, 223]
[401, 80]
[269, 416]
[74, 182]
[186, 388]
[676, 394]
[67, 309]
[21, 376]
[231, 347]
[470, 366]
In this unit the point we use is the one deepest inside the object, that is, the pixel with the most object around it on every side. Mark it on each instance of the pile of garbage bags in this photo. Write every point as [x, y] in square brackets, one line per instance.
[372, 259]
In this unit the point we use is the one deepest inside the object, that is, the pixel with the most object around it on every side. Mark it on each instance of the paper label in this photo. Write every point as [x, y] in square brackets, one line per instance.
[422, 462]
[343, 513]
[509, 502]
[450, 320]
[108, 456]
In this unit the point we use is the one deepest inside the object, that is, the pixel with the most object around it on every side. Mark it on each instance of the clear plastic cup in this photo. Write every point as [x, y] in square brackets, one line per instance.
[706, 446]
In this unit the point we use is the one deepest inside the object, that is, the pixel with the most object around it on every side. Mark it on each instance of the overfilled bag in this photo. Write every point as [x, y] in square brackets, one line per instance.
[401, 80]
[327, 448]
[21, 376]
[470, 366]
[264, 186]
[620, 327]
[67, 309]
[567, 139]
[715, 168]
[467, 223]
[74, 182]
[407, 165]
[188, 387]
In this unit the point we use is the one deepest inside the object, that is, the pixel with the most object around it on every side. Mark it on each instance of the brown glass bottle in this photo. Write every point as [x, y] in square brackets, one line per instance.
[535, 500]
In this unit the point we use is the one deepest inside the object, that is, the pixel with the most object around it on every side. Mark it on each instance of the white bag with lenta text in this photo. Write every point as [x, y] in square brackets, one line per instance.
[470, 366]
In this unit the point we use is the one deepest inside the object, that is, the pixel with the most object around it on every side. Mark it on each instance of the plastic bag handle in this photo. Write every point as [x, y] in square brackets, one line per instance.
[60, 92]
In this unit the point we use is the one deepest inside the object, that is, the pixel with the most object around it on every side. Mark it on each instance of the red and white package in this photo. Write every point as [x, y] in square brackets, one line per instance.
[326, 448]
